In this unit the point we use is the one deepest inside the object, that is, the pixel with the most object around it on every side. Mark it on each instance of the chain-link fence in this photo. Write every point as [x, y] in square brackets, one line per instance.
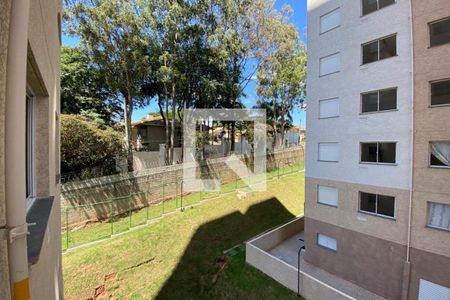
[153, 200]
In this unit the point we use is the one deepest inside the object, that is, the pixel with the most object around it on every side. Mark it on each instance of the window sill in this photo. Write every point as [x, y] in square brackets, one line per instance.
[331, 29]
[326, 204]
[38, 215]
[438, 105]
[377, 112]
[326, 248]
[377, 164]
[328, 74]
[326, 118]
[438, 228]
[328, 161]
[362, 66]
[440, 45]
[439, 167]
[377, 215]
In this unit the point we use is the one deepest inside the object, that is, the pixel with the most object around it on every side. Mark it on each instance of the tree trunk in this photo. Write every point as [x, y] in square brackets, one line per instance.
[172, 125]
[129, 145]
[275, 120]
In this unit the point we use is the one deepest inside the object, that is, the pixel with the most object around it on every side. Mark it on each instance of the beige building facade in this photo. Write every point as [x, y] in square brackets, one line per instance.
[30, 41]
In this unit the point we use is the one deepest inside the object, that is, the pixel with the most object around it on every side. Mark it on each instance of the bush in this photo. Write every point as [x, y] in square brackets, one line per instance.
[88, 150]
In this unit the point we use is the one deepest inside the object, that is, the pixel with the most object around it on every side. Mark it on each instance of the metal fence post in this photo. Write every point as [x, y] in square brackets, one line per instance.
[111, 219]
[147, 204]
[129, 209]
[181, 196]
[163, 185]
[176, 193]
[67, 228]
[278, 169]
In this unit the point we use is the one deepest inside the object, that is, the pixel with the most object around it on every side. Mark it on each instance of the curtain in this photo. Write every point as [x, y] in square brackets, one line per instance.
[441, 151]
[439, 215]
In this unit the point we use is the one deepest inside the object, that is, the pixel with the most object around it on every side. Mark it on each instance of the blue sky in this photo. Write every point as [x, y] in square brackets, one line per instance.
[298, 18]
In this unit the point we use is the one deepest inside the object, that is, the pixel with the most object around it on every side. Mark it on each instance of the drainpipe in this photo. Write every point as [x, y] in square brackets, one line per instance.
[411, 183]
[299, 265]
[15, 166]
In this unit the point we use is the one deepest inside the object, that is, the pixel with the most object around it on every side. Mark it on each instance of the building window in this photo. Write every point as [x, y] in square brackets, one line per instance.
[432, 291]
[379, 49]
[369, 6]
[330, 21]
[381, 100]
[30, 149]
[439, 215]
[440, 92]
[329, 152]
[326, 241]
[440, 32]
[330, 64]
[378, 152]
[440, 154]
[377, 204]
[327, 195]
[328, 108]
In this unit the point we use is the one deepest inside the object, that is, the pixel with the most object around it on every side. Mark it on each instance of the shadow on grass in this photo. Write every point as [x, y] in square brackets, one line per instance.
[204, 272]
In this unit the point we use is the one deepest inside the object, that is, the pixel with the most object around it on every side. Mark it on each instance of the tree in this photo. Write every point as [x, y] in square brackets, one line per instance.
[282, 73]
[83, 90]
[88, 150]
[118, 38]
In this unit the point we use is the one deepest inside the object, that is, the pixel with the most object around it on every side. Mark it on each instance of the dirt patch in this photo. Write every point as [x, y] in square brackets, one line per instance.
[220, 264]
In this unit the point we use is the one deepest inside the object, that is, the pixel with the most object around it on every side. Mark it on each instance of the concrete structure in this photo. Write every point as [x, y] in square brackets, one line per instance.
[30, 39]
[377, 210]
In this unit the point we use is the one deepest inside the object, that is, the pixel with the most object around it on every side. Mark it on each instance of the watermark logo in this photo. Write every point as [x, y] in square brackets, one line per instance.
[252, 172]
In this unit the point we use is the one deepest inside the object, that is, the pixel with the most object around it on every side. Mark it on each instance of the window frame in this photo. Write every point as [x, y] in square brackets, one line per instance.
[394, 218]
[327, 204]
[378, 8]
[378, 49]
[430, 92]
[318, 152]
[30, 154]
[429, 155]
[378, 146]
[326, 56]
[429, 32]
[323, 246]
[330, 99]
[428, 216]
[378, 101]
[326, 14]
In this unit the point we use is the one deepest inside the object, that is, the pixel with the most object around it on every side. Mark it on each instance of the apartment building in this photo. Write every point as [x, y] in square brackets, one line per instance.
[430, 230]
[30, 242]
[377, 208]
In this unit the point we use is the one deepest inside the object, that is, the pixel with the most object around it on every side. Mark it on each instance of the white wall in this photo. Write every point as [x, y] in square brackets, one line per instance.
[350, 127]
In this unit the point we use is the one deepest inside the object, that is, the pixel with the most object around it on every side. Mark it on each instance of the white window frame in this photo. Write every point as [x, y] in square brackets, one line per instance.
[318, 152]
[378, 147]
[429, 31]
[378, 101]
[330, 100]
[329, 203]
[338, 54]
[376, 206]
[328, 239]
[378, 8]
[328, 14]
[30, 138]
[428, 216]
[378, 49]
[429, 92]
[429, 156]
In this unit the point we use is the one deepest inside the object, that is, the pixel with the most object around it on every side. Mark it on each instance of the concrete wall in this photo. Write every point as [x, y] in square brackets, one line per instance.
[347, 214]
[43, 76]
[372, 263]
[351, 128]
[5, 7]
[430, 255]
[146, 186]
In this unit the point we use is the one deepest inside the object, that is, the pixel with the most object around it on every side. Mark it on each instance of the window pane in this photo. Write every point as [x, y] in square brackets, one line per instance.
[386, 205]
[388, 99]
[388, 47]
[440, 92]
[384, 3]
[330, 21]
[327, 241]
[386, 152]
[370, 52]
[369, 102]
[369, 152]
[439, 215]
[367, 202]
[328, 108]
[330, 64]
[329, 152]
[440, 33]
[328, 195]
[440, 154]
[369, 6]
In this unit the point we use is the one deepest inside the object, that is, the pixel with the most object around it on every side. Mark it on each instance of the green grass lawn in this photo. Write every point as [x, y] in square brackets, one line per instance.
[181, 256]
